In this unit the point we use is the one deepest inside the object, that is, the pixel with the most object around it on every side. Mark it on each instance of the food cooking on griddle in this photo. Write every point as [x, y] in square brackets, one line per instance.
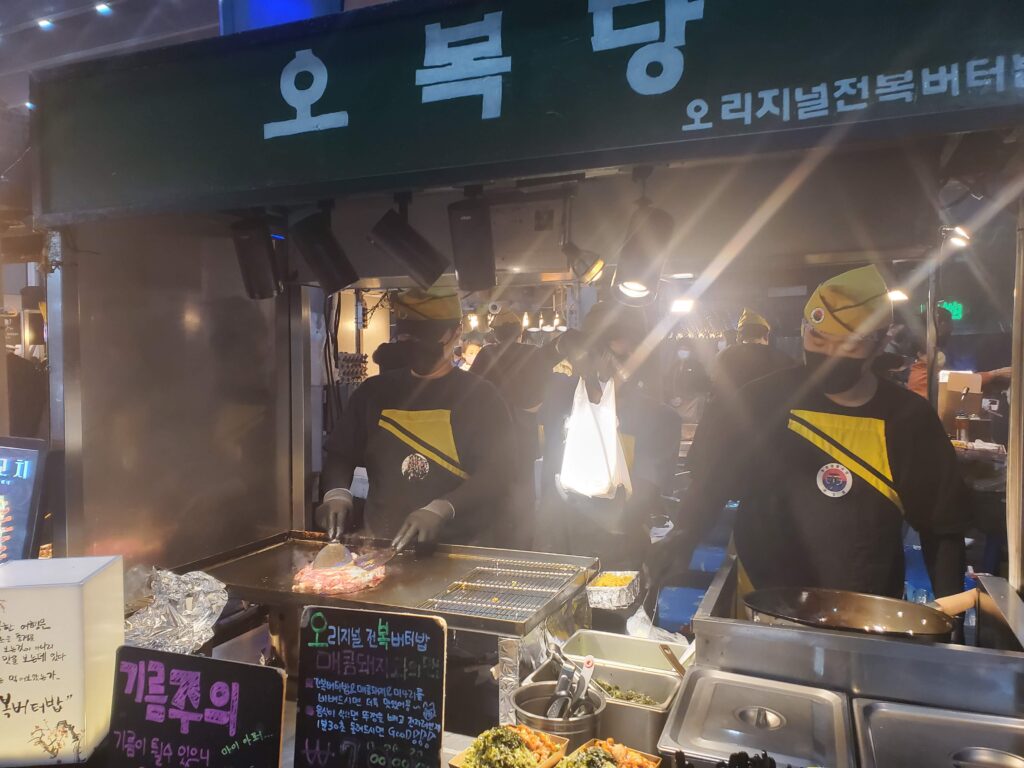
[337, 581]
[624, 694]
[514, 746]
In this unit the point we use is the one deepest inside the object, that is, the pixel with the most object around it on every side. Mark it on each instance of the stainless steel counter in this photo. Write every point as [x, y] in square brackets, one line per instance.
[957, 677]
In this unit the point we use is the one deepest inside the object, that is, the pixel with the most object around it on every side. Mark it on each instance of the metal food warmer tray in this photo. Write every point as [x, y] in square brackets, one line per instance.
[492, 591]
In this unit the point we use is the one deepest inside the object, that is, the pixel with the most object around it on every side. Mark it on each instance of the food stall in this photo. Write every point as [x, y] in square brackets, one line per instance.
[182, 412]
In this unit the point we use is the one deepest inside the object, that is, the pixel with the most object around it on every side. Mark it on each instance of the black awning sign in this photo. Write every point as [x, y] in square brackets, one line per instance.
[440, 91]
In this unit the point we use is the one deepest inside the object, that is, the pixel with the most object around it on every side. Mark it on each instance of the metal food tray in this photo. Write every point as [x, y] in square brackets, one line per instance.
[719, 713]
[457, 583]
[895, 735]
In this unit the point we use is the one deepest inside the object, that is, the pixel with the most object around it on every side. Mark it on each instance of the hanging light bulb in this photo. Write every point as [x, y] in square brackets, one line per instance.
[560, 326]
[526, 320]
[546, 324]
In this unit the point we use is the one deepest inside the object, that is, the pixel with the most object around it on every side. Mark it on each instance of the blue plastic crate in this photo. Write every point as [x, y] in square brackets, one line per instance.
[676, 607]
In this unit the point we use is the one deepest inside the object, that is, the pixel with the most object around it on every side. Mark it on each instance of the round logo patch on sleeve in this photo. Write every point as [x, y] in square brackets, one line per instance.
[834, 480]
[817, 315]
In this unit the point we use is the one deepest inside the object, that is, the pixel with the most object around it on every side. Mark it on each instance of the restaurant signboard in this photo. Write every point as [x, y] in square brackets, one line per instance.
[416, 93]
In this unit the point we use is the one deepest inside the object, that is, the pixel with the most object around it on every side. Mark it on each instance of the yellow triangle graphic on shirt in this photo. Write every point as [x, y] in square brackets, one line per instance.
[856, 442]
[429, 432]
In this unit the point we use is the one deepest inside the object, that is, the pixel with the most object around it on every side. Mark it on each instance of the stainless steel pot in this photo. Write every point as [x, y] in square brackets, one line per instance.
[531, 703]
[849, 612]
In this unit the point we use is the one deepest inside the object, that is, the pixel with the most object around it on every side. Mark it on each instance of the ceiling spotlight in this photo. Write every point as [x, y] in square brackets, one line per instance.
[29, 106]
[316, 242]
[474, 321]
[643, 254]
[585, 265]
[393, 235]
[103, 9]
[472, 244]
[262, 277]
[958, 237]
[897, 295]
[681, 276]
[45, 24]
[682, 306]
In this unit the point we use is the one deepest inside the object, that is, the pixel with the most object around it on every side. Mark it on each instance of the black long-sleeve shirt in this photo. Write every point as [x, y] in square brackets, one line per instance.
[424, 439]
[824, 489]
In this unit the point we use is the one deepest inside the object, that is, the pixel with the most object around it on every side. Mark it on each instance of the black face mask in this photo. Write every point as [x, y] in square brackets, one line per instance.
[421, 356]
[833, 375]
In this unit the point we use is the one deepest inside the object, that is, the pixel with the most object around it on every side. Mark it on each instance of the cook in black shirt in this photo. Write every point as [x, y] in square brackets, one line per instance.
[827, 462]
[436, 442]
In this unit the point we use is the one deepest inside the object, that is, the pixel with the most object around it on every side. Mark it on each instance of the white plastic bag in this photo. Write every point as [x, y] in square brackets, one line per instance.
[594, 464]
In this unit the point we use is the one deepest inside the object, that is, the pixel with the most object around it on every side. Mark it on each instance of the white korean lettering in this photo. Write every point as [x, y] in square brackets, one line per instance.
[697, 110]
[606, 37]
[465, 61]
[774, 101]
[737, 106]
[1018, 70]
[303, 99]
[982, 73]
[658, 66]
[941, 81]
[856, 87]
[812, 102]
[899, 87]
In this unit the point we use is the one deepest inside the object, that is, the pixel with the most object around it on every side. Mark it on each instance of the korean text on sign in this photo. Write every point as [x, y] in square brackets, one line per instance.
[463, 61]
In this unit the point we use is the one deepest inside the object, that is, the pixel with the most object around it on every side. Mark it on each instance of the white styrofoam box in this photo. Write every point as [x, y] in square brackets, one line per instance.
[61, 622]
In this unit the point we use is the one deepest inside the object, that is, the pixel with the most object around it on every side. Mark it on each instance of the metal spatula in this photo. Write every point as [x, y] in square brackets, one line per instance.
[375, 559]
[333, 555]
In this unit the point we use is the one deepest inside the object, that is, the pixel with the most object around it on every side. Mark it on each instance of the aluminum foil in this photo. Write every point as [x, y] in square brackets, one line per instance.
[182, 614]
[615, 597]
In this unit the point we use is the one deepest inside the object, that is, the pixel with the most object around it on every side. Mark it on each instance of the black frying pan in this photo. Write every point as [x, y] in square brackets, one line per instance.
[849, 612]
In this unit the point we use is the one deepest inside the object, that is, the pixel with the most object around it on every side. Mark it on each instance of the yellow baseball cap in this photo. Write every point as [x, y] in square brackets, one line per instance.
[852, 303]
[750, 317]
[434, 304]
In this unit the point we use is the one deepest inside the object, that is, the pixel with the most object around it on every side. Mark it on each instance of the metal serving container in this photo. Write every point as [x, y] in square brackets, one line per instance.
[898, 735]
[531, 703]
[637, 725]
[621, 650]
[614, 598]
[719, 713]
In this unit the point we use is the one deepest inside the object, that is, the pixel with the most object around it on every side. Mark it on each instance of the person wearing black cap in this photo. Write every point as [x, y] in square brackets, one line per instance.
[614, 530]
[435, 473]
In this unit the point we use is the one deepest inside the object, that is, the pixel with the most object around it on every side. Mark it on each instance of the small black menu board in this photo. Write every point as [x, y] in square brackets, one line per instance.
[21, 474]
[176, 711]
[371, 689]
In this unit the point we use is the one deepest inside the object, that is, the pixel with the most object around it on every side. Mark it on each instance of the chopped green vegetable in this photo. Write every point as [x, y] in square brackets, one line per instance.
[594, 757]
[632, 697]
[499, 748]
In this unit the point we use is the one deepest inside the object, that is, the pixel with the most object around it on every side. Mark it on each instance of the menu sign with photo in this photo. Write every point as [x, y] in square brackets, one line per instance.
[371, 689]
[176, 711]
[20, 480]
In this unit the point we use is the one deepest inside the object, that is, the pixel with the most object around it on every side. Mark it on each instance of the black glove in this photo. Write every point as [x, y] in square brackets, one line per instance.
[424, 525]
[334, 513]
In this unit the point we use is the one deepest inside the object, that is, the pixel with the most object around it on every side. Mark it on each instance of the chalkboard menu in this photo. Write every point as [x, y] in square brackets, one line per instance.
[371, 689]
[21, 475]
[176, 711]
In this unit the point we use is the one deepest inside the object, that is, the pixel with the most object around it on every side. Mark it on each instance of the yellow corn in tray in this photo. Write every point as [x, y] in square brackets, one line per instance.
[612, 580]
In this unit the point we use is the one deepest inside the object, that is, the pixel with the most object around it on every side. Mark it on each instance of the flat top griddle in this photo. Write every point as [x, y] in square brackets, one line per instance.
[496, 591]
